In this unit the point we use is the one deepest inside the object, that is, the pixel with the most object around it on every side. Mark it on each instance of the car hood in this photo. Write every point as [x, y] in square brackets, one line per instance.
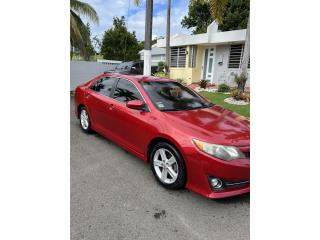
[214, 124]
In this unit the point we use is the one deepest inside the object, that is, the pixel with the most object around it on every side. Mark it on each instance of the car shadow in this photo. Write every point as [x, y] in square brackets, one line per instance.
[244, 198]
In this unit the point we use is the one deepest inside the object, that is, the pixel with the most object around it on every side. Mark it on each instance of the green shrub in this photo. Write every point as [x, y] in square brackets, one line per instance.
[161, 66]
[223, 88]
[240, 79]
[243, 96]
[234, 92]
[161, 74]
[203, 84]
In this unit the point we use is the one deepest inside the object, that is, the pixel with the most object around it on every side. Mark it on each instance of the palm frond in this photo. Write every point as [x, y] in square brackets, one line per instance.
[84, 9]
[75, 33]
[137, 2]
[217, 9]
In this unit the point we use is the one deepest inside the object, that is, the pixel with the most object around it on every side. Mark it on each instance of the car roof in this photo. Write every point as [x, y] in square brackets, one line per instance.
[141, 78]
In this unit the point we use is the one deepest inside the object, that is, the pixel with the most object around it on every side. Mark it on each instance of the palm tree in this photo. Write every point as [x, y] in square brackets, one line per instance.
[147, 36]
[218, 9]
[78, 8]
[168, 37]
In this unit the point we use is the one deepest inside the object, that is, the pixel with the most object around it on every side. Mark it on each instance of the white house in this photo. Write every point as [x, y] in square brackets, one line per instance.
[157, 55]
[214, 56]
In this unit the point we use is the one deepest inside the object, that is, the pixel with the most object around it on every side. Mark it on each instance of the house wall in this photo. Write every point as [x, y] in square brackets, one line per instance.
[189, 75]
[223, 74]
[197, 71]
[181, 73]
[184, 73]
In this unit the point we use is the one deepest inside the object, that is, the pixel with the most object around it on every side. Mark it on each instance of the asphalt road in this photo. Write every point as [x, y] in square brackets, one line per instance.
[115, 196]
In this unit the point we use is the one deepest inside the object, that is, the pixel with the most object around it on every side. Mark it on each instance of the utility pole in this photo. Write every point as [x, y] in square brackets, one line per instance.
[148, 38]
[168, 37]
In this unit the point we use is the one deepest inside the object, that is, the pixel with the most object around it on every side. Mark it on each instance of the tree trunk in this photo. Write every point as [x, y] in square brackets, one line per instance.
[148, 38]
[245, 61]
[168, 37]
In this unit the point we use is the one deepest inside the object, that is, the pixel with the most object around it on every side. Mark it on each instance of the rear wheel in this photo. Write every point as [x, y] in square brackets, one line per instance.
[85, 120]
[168, 166]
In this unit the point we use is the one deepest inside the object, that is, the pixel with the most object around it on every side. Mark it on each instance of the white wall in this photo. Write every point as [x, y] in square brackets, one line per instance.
[155, 59]
[83, 71]
[223, 74]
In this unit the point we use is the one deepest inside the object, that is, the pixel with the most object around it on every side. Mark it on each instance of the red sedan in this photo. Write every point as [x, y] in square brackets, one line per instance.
[188, 141]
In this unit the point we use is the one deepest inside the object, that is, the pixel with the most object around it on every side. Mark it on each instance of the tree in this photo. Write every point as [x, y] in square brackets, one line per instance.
[200, 15]
[77, 32]
[168, 37]
[88, 48]
[154, 41]
[236, 15]
[118, 43]
[97, 44]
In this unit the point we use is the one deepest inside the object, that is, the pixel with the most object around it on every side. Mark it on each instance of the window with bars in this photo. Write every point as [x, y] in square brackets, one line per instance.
[236, 55]
[192, 57]
[178, 57]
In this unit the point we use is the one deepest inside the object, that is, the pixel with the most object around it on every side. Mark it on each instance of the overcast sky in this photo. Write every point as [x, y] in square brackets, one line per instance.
[107, 9]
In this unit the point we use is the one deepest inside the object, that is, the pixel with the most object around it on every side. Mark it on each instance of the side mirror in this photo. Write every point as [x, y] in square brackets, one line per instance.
[135, 104]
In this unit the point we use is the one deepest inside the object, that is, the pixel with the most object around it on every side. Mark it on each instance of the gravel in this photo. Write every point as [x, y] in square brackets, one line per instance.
[231, 100]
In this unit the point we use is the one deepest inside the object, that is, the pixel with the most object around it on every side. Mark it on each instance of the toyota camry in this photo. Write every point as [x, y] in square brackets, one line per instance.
[188, 141]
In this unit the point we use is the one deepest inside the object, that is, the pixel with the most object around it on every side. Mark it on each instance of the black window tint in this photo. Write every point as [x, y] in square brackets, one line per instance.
[126, 91]
[172, 96]
[104, 86]
[136, 65]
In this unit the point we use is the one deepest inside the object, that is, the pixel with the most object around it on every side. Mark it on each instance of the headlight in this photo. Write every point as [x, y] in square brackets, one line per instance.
[223, 152]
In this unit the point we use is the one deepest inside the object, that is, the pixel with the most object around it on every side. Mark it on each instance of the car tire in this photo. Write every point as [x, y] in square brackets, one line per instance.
[85, 122]
[168, 166]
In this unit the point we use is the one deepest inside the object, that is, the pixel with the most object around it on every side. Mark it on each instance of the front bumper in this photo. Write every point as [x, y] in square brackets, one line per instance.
[200, 167]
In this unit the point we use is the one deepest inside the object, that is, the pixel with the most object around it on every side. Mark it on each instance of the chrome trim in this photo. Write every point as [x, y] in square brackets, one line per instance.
[230, 184]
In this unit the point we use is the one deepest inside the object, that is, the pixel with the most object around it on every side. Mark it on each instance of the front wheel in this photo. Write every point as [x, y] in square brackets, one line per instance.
[168, 166]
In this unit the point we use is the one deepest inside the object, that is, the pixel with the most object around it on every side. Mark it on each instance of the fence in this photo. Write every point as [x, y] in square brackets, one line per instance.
[83, 71]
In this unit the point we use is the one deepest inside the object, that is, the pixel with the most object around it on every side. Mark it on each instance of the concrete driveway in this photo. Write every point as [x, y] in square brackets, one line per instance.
[115, 196]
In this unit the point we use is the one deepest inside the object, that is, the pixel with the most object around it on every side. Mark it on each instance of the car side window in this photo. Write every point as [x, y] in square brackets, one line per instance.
[136, 68]
[126, 91]
[104, 86]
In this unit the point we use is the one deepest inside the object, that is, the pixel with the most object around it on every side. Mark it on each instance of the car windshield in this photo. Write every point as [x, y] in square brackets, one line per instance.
[173, 96]
[124, 66]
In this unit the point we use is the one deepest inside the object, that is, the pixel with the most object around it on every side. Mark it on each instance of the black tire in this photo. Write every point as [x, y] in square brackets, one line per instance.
[88, 128]
[182, 174]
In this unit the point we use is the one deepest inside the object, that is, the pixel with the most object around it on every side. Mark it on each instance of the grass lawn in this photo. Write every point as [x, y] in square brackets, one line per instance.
[218, 98]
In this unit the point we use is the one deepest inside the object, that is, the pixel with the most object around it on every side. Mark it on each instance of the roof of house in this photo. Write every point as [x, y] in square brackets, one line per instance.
[212, 36]
[156, 50]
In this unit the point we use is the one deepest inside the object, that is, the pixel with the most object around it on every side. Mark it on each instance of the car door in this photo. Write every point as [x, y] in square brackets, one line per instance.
[98, 102]
[131, 125]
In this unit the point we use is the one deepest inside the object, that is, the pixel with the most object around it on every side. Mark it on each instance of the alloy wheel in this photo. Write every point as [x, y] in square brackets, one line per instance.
[165, 166]
[84, 119]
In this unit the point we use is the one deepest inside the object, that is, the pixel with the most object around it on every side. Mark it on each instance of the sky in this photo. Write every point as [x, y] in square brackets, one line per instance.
[107, 9]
